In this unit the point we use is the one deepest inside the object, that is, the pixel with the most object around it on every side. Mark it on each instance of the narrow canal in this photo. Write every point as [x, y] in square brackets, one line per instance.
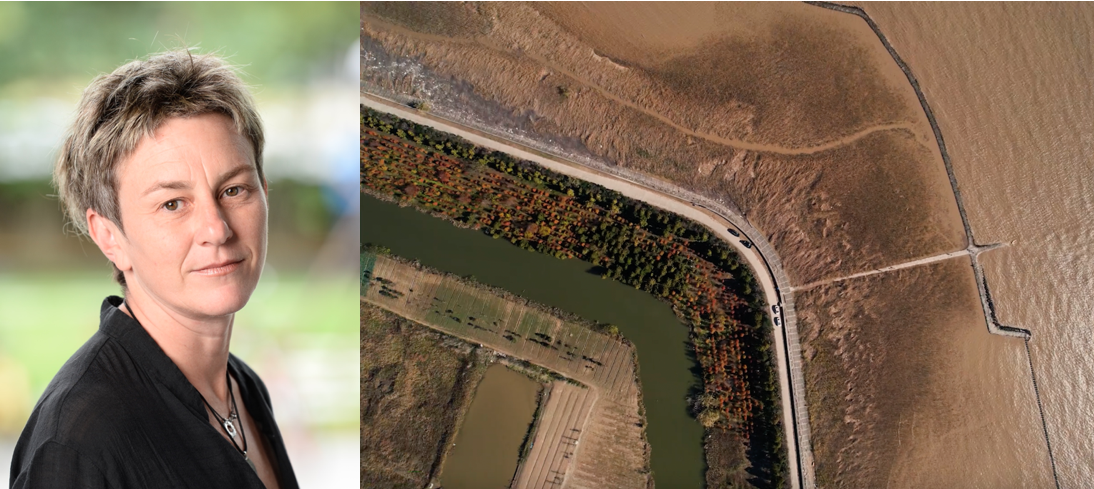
[667, 373]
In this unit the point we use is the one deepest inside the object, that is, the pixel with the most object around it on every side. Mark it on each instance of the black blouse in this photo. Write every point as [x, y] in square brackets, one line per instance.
[120, 414]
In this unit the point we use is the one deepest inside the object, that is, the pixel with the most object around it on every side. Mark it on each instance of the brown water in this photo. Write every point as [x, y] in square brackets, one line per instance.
[1011, 87]
[488, 442]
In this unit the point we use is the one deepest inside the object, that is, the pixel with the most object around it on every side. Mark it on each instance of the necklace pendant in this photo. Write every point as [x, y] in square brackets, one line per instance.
[230, 428]
[249, 462]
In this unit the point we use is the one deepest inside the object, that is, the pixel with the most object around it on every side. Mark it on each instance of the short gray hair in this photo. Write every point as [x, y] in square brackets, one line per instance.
[119, 109]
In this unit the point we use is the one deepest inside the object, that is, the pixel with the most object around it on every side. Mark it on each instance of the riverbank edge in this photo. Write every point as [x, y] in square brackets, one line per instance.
[470, 281]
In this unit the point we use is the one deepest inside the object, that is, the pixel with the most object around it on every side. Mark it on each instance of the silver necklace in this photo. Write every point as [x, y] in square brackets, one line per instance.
[233, 413]
[229, 425]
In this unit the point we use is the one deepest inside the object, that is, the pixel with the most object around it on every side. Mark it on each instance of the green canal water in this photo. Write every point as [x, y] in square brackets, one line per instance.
[488, 444]
[665, 369]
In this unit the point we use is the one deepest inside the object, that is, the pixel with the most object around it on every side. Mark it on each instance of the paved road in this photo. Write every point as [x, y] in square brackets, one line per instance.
[760, 256]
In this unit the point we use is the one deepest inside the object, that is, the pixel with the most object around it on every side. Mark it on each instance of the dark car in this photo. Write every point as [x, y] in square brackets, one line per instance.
[733, 232]
[747, 243]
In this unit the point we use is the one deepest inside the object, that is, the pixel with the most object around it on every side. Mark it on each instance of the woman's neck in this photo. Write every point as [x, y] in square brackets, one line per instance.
[199, 348]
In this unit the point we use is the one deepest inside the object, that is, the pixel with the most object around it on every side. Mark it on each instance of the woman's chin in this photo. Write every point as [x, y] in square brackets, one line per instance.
[221, 301]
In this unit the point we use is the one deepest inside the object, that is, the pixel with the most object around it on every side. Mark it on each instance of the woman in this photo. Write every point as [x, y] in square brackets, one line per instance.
[163, 170]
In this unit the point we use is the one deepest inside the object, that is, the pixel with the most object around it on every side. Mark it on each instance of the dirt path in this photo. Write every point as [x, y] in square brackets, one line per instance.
[554, 448]
[899, 266]
[583, 81]
[759, 254]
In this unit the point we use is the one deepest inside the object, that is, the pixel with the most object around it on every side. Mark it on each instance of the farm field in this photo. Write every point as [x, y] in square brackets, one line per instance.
[555, 443]
[613, 445]
[631, 242]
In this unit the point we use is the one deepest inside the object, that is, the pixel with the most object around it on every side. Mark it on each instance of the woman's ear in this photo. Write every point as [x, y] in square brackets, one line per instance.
[108, 237]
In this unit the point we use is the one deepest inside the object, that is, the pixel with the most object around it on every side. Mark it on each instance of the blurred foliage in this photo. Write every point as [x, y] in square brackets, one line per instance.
[273, 42]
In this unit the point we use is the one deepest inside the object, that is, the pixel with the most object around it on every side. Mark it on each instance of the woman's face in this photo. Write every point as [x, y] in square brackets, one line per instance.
[194, 211]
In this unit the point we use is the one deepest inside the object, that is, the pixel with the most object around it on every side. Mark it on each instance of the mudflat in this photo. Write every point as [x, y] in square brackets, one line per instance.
[709, 121]
[908, 389]
[1011, 83]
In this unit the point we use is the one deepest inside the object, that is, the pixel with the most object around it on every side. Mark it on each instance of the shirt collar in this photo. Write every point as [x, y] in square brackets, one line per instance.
[147, 354]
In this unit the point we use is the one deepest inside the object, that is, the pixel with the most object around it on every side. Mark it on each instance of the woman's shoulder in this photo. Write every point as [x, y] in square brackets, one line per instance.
[83, 406]
[96, 380]
[81, 373]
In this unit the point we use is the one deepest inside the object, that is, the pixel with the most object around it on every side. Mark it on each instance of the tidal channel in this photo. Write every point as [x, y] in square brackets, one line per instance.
[667, 372]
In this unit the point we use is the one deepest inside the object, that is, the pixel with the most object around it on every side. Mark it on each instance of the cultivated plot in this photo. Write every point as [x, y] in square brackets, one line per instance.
[602, 414]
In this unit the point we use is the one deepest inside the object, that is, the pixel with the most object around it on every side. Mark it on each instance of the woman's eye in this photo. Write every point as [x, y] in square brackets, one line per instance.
[232, 191]
[172, 205]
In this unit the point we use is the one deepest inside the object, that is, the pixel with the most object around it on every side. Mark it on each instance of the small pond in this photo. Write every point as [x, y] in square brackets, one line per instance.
[488, 441]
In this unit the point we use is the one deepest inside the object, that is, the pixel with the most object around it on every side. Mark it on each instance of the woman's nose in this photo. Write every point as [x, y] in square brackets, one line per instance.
[213, 226]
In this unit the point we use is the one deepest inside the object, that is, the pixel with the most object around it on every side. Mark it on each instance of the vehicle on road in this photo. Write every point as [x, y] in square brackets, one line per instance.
[747, 243]
[775, 309]
[733, 232]
[777, 321]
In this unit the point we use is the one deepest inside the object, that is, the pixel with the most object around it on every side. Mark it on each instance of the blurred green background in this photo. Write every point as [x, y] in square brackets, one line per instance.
[300, 329]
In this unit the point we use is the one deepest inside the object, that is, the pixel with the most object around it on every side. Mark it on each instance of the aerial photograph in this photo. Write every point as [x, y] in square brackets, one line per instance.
[726, 244]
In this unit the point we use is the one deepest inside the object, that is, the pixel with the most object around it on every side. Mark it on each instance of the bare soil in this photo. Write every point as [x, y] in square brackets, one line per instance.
[555, 444]
[415, 387]
[613, 450]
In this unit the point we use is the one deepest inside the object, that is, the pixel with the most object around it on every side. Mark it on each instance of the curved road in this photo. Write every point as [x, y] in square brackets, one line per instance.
[759, 255]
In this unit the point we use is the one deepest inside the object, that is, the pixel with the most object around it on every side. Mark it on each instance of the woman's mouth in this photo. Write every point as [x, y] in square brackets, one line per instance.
[222, 268]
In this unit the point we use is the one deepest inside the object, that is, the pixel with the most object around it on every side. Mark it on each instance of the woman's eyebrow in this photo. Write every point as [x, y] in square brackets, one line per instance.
[234, 172]
[172, 185]
[184, 185]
